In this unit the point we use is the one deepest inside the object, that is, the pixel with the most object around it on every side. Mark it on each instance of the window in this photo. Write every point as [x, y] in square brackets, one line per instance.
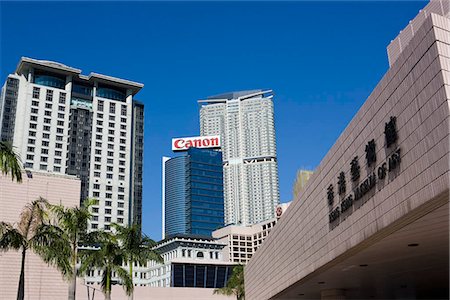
[98, 159]
[110, 153]
[58, 145]
[30, 149]
[121, 190]
[121, 177]
[30, 157]
[59, 130]
[94, 226]
[122, 148]
[34, 110]
[43, 167]
[36, 91]
[108, 227]
[121, 197]
[49, 95]
[98, 144]
[123, 127]
[99, 123]
[110, 146]
[57, 153]
[99, 129]
[122, 155]
[123, 120]
[109, 176]
[120, 212]
[111, 125]
[44, 158]
[96, 186]
[96, 174]
[60, 123]
[33, 126]
[96, 194]
[100, 105]
[123, 134]
[120, 220]
[32, 133]
[56, 169]
[44, 151]
[60, 115]
[33, 118]
[120, 204]
[112, 108]
[45, 143]
[98, 136]
[34, 103]
[47, 113]
[97, 167]
[110, 131]
[122, 141]
[62, 98]
[98, 151]
[109, 161]
[48, 105]
[46, 128]
[61, 108]
[108, 211]
[108, 195]
[94, 218]
[108, 203]
[121, 170]
[47, 121]
[123, 110]
[95, 209]
[109, 188]
[107, 219]
[59, 138]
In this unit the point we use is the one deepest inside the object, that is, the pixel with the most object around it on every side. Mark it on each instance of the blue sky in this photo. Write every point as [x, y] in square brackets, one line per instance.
[322, 59]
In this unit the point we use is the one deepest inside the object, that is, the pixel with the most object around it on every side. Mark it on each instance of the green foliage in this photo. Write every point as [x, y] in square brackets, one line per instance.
[108, 257]
[10, 162]
[34, 232]
[235, 285]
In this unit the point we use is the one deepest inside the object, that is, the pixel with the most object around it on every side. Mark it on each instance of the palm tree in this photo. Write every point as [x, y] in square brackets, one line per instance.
[235, 284]
[136, 248]
[73, 223]
[108, 257]
[10, 161]
[32, 233]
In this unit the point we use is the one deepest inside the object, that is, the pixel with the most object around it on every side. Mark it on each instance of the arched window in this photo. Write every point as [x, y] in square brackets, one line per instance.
[200, 254]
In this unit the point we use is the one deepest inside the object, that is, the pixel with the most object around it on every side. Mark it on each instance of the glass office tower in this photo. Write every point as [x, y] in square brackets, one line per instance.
[193, 193]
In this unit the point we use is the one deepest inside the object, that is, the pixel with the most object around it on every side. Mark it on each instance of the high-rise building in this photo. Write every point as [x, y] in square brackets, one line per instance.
[64, 122]
[193, 193]
[245, 122]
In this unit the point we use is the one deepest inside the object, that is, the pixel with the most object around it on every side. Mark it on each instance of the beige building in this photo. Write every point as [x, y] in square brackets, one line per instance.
[373, 220]
[243, 241]
[41, 281]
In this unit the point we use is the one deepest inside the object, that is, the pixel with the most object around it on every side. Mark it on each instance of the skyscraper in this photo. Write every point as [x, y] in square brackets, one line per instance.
[193, 193]
[245, 122]
[90, 126]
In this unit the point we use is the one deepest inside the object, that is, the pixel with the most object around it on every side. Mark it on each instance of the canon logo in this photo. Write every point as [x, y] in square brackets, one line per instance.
[181, 144]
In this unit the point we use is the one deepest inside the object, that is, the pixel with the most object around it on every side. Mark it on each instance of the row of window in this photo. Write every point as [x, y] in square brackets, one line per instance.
[112, 108]
[48, 95]
[112, 118]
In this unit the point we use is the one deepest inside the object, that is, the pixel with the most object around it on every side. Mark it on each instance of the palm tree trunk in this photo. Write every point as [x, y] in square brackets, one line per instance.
[73, 279]
[108, 295]
[131, 275]
[21, 290]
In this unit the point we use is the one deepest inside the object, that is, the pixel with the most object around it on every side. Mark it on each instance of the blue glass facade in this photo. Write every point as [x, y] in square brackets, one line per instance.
[202, 182]
[175, 195]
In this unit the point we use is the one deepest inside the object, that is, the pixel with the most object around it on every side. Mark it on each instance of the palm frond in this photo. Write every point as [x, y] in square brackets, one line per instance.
[10, 238]
[10, 162]
[53, 246]
[127, 282]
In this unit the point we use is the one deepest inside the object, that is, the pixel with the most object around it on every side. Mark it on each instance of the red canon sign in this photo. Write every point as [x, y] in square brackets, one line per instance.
[181, 144]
